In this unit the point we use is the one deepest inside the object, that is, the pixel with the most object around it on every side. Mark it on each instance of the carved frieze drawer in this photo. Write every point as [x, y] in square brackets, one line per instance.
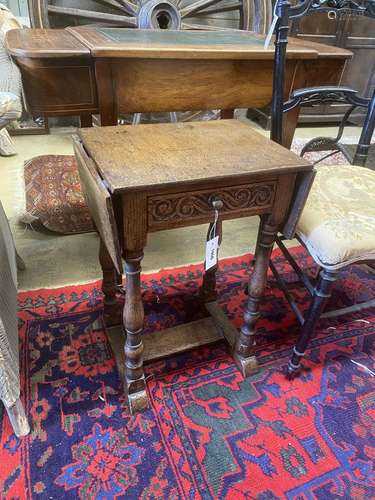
[197, 205]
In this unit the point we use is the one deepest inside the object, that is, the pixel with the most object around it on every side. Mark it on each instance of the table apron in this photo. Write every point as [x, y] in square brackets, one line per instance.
[190, 208]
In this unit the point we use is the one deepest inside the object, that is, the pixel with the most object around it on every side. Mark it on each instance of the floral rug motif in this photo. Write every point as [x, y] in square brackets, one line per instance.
[208, 433]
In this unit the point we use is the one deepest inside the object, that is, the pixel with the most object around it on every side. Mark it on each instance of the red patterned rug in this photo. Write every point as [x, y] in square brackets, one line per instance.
[208, 433]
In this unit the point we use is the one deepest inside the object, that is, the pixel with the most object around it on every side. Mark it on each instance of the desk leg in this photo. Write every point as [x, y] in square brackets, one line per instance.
[244, 350]
[135, 385]
[106, 96]
[111, 278]
[227, 114]
[85, 121]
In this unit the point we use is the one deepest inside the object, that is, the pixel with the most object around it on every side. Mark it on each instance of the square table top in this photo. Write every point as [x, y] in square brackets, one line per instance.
[149, 157]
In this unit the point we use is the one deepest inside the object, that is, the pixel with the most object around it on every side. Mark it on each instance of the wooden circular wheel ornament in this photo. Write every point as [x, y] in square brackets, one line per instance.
[251, 15]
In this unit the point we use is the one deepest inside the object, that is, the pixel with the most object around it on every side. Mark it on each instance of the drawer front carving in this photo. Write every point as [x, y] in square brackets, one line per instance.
[182, 207]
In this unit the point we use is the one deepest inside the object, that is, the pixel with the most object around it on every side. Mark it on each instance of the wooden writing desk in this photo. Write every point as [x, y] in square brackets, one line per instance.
[84, 71]
[148, 178]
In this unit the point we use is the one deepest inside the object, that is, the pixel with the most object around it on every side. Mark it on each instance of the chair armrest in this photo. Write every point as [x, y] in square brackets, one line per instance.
[324, 94]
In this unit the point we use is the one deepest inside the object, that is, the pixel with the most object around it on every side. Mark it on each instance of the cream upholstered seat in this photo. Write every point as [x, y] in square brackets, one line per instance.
[338, 222]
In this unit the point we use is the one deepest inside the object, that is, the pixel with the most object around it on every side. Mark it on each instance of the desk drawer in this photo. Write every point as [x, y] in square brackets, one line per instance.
[191, 207]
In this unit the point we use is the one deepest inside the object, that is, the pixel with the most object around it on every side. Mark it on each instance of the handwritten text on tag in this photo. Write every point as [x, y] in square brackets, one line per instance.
[211, 252]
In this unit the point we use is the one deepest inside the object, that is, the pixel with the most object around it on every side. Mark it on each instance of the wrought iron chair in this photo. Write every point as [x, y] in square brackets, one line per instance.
[337, 225]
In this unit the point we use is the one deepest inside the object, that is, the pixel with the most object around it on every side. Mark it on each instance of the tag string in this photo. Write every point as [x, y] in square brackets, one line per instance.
[272, 27]
[212, 232]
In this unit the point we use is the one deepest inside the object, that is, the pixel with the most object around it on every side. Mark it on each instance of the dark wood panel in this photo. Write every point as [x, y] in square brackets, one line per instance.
[59, 87]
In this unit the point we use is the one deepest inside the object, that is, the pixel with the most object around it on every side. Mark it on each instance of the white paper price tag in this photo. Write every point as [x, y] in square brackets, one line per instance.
[211, 252]
[272, 28]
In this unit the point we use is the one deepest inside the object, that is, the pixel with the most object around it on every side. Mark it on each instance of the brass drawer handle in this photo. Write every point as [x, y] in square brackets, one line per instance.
[332, 15]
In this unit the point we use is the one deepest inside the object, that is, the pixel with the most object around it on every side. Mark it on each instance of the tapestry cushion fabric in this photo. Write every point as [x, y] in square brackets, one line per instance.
[54, 199]
[338, 222]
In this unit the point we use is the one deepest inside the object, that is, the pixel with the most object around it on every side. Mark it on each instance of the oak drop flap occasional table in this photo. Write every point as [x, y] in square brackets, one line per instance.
[154, 177]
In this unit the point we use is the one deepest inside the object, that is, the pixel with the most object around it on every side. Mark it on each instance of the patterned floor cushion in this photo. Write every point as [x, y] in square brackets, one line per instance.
[53, 195]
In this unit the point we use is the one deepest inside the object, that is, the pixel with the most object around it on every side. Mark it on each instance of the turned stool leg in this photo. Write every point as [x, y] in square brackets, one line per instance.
[111, 279]
[244, 352]
[208, 289]
[135, 385]
[321, 295]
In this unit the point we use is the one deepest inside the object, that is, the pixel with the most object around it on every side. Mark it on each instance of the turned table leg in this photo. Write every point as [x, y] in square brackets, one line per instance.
[261, 222]
[244, 350]
[111, 279]
[135, 385]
